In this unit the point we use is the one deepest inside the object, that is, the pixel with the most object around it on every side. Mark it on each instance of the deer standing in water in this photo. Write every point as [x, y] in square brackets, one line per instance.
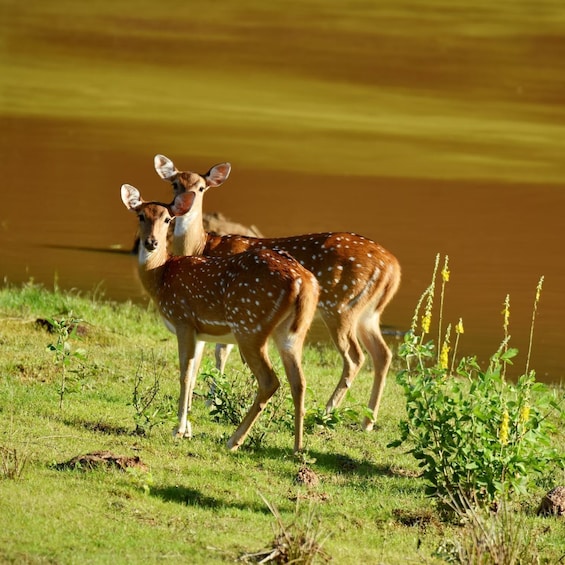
[357, 277]
[246, 299]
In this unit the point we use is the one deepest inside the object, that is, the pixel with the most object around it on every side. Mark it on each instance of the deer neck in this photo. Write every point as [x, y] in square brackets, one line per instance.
[152, 268]
[189, 236]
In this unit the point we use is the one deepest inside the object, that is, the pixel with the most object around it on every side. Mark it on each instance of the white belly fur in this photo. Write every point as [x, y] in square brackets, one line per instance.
[225, 338]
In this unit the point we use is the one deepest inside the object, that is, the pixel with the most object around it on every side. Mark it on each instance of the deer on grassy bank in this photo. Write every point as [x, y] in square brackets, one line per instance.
[357, 277]
[246, 299]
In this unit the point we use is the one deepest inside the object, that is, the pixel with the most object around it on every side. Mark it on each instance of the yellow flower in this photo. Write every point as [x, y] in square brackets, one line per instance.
[426, 322]
[506, 311]
[504, 428]
[445, 270]
[538, 289]
[444, 356]
[459, 327]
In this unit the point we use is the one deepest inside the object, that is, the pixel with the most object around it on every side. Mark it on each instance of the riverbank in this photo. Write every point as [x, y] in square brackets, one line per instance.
[192, 499]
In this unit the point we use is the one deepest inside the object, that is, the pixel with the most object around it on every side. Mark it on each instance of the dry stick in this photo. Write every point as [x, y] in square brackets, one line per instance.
[536, 302]
[458, 331]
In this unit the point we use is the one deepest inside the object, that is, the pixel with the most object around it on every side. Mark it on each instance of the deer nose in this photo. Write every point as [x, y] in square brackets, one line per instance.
[151, 244]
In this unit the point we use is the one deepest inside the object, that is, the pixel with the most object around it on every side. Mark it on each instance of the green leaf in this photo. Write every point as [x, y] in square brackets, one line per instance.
[510, 353]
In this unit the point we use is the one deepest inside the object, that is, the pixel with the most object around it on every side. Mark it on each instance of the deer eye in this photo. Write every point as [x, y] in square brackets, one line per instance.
[167, 220]
[202, 188]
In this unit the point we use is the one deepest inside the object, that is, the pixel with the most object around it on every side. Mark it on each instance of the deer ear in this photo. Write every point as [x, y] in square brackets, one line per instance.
[164, 167]
[182, 204]
[217, 174]
[131, 197]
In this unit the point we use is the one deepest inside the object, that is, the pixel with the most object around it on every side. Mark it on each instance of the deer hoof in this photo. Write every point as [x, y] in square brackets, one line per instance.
[232, 445]
[179, 433]
[368, 425]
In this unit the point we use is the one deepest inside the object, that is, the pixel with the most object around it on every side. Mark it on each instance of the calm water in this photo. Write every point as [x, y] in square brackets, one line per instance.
[453, 150]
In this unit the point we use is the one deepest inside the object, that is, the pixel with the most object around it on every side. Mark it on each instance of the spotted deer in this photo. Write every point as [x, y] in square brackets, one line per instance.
[220, 225]
[245, 299]
[217, 223]
[357, 277]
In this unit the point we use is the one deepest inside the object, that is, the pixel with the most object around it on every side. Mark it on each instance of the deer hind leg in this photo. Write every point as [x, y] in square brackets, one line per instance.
[370, 333]
[190, 355]
[267, 384]
[222, 353]
[290, 349]
[345, 338]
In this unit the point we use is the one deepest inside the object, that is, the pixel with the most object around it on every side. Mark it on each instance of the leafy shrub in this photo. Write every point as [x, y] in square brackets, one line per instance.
[229, 399]
[477, 436]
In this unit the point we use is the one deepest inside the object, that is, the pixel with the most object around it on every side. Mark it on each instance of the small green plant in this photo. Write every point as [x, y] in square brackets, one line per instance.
[478, 437]
[12, 463]
[65, 329]
[230, 397]
[150, 408]
[140, 479]
[300, 543]
[317, 417]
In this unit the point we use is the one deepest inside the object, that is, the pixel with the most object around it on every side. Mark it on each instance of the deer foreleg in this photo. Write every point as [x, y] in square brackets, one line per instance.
[190, 354]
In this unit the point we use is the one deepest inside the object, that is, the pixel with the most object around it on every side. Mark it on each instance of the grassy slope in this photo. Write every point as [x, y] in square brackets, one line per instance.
[197, 502]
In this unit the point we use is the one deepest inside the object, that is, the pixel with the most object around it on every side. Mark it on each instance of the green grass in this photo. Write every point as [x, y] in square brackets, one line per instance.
[196, 502]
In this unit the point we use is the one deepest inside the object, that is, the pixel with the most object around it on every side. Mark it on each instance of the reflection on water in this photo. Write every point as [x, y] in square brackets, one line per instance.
[440, 134]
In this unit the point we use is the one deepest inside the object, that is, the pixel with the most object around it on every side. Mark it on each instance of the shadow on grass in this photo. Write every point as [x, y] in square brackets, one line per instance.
[99, 427]
[331, 462]
[192, 497]
[356, 470]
